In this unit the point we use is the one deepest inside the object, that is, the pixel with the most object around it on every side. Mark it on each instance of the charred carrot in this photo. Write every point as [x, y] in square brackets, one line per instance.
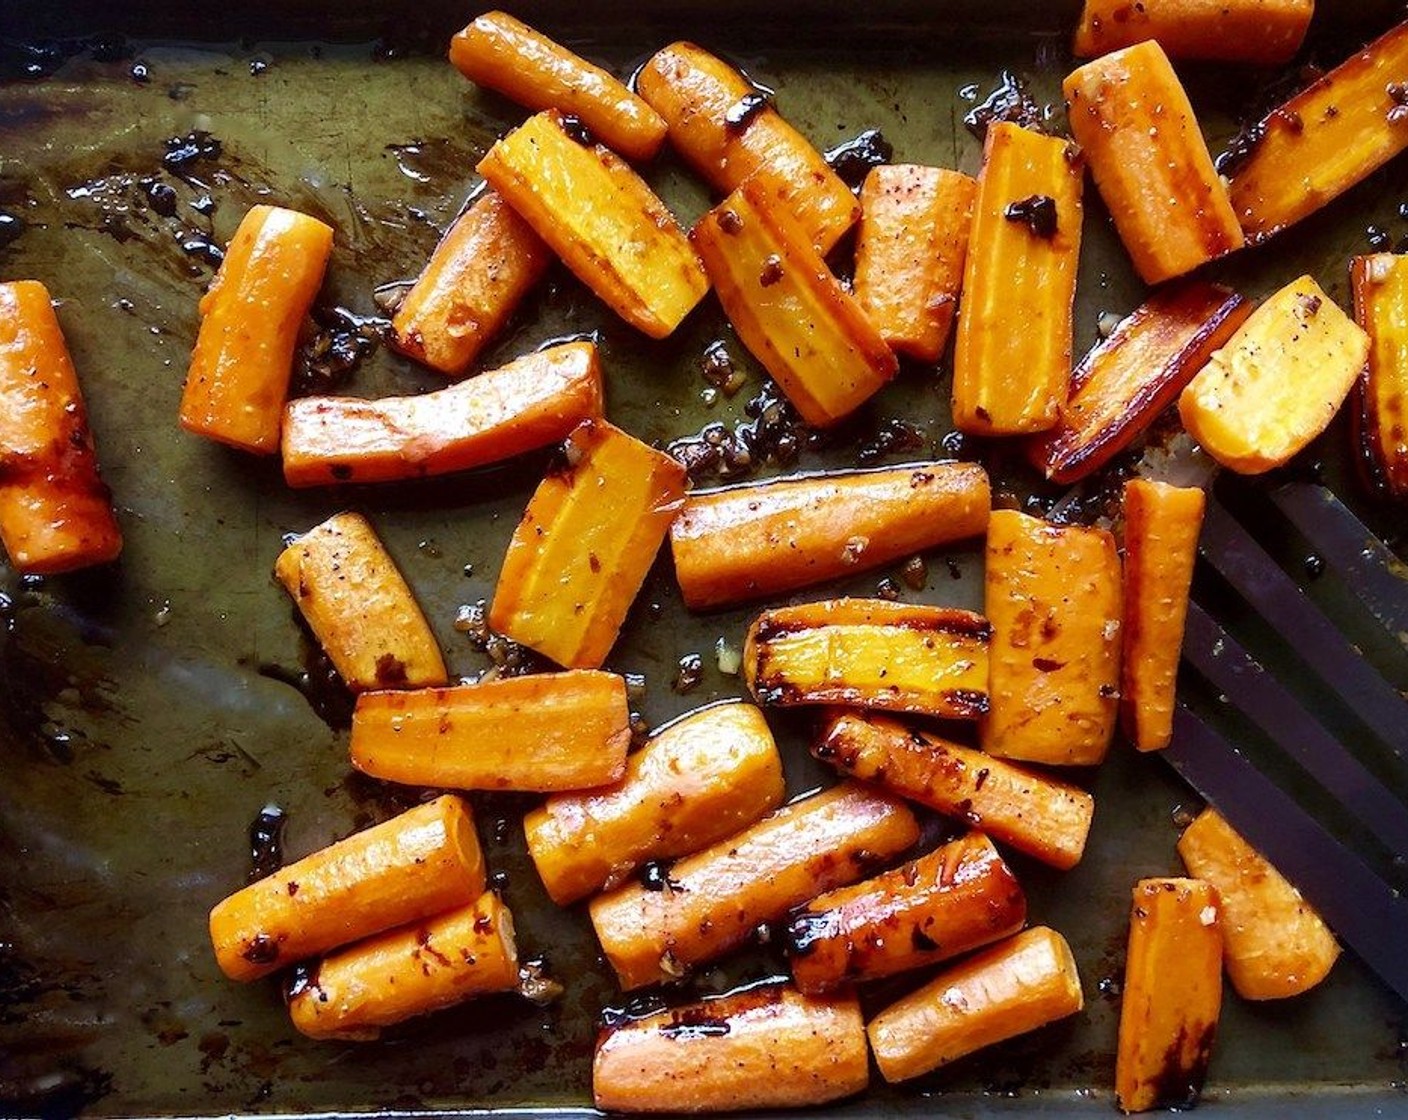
[761, 1048]
[1012, 356]
[702, 778]
[415, 865]
[728, 130]
[55, 513]
[760, 539]
[1260, 32]
[1053, 599]
[910, 248]
[1035, 814]
[359, 606]
[1380, 414]
[506, 55]
[1024, 983]
[711, 902]
[419, 968]
[584, 545]
[533, 401]
[481, 270]
[250, 319]
[540, 733]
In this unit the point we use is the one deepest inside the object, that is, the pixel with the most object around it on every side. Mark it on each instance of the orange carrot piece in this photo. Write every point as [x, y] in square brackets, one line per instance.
[1013, 353]
[767, 538]
[506, 55]
[760, 1048]
[481, 270]
[712, 901]
[250, 319]
[1259, 32]
[540, 733]
[55, 513]
[533, 401]
[585, 544]
[415, 865]
[359, 607]
[910, 248]
[1380, 413]
[698, 780]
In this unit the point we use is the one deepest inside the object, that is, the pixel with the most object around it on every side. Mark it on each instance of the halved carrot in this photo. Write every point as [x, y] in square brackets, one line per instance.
[1260, 32]
[55, 513]
[584, 545]
[483, 267]
[359, 606]
[541, 733]
[711, 902]
[727, 130]
[1380, 415]
[910, 248]
[417, 864]
[766, 538]
[1013, 353]
[250, 319]
[506, 55]
[533, 401]
[706, 776]
[761, 1048]
[602, 219]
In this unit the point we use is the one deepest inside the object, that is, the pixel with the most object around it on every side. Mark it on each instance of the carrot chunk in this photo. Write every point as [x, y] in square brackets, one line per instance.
[1260, 32]
[55, 513]
[1380, 415]
[250, 319]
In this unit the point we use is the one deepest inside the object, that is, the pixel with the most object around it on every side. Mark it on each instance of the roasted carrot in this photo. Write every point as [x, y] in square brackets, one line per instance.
[420, 863]
[1172, 994]
[761, 1048]
[870, 653]
[602, 219]
[1335, 132]
[1035, 814]
[533, 401]
[540, 733]
[711, 902]
[1132, 118]
[359, 606]
[953, 899]
[910, 248]
[1053, 599]
[700, 779]
[55, 513]
[760, 539]
[483, 267]
[1023, 983]
[1013, 353]
[1161, 527]
[790, 311]
[1261, 32]
[584, 545]
[1274, 943]
[728, 130]
[1126, 380]
[419, 968]
[1278, 381]
[250, 319]
[506, 55]
[1380, 413]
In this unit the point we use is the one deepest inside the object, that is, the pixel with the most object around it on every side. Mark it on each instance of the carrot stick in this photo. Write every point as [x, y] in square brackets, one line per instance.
[420, 863]
[702, 778]
[1380, 415]
[506, 55]
[711, 902]
[533, 401]
[545, 732]
[250, 319]
[761, 1048]
[1259, 32]
[359, 607]
[419, 968]
[767, 538]
[481, 270]
[55, 513]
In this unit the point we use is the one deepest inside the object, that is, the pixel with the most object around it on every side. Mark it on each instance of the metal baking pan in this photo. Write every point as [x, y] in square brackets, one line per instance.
[148, 711]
